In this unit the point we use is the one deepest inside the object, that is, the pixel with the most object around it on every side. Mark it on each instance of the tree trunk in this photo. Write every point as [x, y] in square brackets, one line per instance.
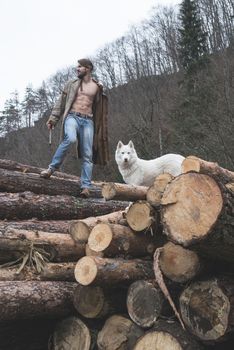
[98, 302]
[60, 247]
[198, 211]
[168, 336]
[80, 230]
[207, 309]
[155, 192]
[192, 163]
[28, 205]
[117, 240]
[179, 264]
[123, 192]
[58, 226]
[22, 300]
[70, 333]
[23, 168]
[141, 216]
[118, 333]
[103, 271]
[12, 181]
[144, 303]
[50, 272]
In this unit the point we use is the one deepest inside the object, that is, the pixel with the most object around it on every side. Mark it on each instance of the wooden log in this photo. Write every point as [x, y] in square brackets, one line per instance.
[34, 299]
[50, 272]
[123, 192]
[27, 205]
[60, 247]
[26, 168]
[80, 229]
[168, 336]
[141, 216]
[70, 333]
[12, 181]
[98, 302]
[207, 309]
[192, 163]
[104, 271]
[144, 303]
[90, 252]
[58, 226]
[179, 264]
[198, 212]
[155, 192]
[117, 240]
[117, 333]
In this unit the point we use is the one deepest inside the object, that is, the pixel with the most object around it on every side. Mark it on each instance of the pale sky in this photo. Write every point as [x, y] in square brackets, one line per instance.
[39, 37]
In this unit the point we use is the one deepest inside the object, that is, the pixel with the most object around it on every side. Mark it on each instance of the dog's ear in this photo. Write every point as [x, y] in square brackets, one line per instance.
[120, 144]
[130, 144]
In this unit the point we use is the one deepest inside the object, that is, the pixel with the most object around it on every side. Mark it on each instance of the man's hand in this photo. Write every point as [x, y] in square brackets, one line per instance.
[50, 124]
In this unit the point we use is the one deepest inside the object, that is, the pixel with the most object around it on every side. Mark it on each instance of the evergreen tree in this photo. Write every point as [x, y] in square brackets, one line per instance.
[192, 39]
[10, 118]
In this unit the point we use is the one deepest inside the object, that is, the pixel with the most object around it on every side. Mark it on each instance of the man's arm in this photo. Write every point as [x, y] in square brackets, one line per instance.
[58, 109]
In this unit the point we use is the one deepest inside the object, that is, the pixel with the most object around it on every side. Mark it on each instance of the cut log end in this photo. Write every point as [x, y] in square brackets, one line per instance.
[79, 231]
[191, 206]
[108, 191]
[140, 216]
[190, 163]
[205, 310]
[85, 271]
[157, 340]
[88, 300]
[100, 237]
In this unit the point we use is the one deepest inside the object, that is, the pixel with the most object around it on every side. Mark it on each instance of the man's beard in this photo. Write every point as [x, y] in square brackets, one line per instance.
[81, 75]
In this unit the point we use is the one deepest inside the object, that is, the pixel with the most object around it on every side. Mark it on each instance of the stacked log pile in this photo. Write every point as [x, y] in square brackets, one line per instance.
[130, 268]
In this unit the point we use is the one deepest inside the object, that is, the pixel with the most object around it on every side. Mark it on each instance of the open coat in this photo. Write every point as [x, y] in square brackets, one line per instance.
[100, 110]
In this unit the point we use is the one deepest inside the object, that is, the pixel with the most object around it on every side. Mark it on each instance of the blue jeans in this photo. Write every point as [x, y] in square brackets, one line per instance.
[82, 128]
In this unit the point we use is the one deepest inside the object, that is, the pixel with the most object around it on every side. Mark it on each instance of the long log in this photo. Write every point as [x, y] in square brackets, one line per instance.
[60, 247]
[123, 192]
[117, 333]
[28, 205]
[167, 335]
[34, 299]
[103, 271]
[50, 272]
[207, 309]
[117, 240]
[70, 333]
[144, 303]
[98, 302]
[179, 264]
[80, 229]
[25, 168]
[12, 181]
[198, 212]
[58, 226]
[192, 163]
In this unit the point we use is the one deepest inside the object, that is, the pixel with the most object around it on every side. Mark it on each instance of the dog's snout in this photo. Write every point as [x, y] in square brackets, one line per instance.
[125, 159]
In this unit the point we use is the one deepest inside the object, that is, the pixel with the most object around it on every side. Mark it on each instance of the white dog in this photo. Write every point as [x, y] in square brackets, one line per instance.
[136, 171]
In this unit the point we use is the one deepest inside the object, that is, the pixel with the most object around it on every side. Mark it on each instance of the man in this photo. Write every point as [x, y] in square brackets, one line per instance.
[83, 107]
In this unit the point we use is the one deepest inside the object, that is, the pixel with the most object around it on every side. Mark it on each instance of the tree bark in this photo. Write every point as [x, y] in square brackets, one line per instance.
[192, 163]
[179, 264]
[98, 302]
[103, 271]
[144, 303]
[155, 192]
[118, 333]
[167, 335]
[60, 247]
[51, 272]
[117, 240]
[22, 300]
[58, 226]
[12, 181]
[80, 230]
[141, 216]
[28, 205]
[123, 192]
[70, 333]
[207, 309]
[198, 212]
